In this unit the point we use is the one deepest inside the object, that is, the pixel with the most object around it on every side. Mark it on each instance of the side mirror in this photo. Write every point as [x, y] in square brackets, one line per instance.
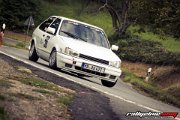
[114, 48]
[50, 30]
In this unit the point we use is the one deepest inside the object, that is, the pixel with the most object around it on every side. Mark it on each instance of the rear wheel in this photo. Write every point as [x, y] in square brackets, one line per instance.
[32, 53]
[52, 60]
[108, 83]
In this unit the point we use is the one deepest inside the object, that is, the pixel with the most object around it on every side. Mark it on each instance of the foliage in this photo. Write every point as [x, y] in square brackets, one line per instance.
[170, 43]
[152, 88]
[163, 16]
[146, 51]
[117, 9]
[71, 9]
[160, 15]
[15, 12]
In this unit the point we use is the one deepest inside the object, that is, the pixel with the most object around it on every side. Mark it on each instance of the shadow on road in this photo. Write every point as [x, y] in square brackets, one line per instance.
[69, 73]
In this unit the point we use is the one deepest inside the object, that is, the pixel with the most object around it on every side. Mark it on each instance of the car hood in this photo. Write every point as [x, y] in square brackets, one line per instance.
[90, 49]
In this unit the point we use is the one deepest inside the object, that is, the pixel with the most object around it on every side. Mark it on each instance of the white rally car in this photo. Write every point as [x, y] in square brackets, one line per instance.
[76, 46]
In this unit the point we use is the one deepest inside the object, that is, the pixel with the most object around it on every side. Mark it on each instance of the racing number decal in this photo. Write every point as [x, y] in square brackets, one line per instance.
[46, 41]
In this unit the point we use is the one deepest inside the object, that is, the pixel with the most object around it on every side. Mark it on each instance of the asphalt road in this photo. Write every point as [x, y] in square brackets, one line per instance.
[123, 98]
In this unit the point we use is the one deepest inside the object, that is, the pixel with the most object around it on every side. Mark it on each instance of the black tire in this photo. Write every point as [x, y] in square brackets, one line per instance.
[53, 60]
[108, 83]
[33, 54]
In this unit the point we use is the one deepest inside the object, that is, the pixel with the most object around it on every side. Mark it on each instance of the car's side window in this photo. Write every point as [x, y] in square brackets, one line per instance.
[46, 23]
[56, 24]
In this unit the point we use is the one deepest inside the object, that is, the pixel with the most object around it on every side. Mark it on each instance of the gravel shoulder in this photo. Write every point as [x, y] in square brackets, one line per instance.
[85, 105]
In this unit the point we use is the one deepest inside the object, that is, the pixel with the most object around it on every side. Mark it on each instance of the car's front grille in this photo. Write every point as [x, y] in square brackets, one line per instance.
[89, 71]
[94, 59]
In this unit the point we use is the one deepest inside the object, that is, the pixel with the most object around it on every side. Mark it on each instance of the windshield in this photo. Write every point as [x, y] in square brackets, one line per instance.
[84, 33]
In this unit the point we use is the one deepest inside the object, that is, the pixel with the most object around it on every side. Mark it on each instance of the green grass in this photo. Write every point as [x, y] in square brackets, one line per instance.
[70, 9]
[168, 42]
[151, 89]
[3, 114]
[174, 90]
[20, 45]
[65, 100]
[44, 91]
[140, 83]
[41, 84]
[101, 19]
[37, 83]
[5, 44]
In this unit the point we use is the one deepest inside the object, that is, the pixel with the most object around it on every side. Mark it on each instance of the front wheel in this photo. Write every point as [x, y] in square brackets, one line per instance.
[108, 83]
[32, 54]
[52, 60]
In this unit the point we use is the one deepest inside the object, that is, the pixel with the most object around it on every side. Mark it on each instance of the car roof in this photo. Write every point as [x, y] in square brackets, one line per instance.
[73, 20]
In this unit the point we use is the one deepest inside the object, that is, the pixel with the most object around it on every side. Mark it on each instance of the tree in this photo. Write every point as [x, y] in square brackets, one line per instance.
[163, 16]
[118, 9]
[15, 12]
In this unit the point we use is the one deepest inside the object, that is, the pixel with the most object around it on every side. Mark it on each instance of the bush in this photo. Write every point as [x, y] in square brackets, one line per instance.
[146, 51]
[15, 12]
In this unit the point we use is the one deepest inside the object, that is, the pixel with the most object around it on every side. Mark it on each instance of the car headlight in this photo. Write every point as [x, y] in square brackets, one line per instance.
[71, 52]
[115, 64]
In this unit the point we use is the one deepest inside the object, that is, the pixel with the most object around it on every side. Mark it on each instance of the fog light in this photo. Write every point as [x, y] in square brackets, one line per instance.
[68, 65]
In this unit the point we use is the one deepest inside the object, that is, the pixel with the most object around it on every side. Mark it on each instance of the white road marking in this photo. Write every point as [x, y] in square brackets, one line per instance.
[89, 86]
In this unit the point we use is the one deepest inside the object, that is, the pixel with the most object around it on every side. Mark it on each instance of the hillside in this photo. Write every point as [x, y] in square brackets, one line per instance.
[72, 9]
[92, 15]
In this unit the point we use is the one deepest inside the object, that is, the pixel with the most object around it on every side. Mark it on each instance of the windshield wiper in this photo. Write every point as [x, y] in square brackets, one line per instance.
[73, 36]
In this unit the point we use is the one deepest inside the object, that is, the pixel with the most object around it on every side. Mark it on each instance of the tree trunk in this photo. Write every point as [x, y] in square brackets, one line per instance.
[119, 20]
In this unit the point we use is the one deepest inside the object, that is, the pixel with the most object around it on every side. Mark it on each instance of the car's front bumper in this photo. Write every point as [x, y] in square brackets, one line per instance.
[74, 64]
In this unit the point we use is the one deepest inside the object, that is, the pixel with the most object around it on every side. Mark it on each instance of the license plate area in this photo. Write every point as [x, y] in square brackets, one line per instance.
[93, 68]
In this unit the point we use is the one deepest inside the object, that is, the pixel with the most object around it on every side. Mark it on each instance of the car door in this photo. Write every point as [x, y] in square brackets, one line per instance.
[49, 39]
[42, 36]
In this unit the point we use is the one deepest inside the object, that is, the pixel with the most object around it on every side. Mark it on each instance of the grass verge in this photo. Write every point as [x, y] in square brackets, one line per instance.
[41, 84]
[5, 83]
[17, 36]
[151, 89]
[3, 114]
[23, 96]
[22, 92]
[19, 45]
[65, 100]
[44, 91]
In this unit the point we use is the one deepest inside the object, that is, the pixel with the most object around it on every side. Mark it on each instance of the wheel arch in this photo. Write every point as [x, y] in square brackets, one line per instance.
[54, 48]
[33, 41]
